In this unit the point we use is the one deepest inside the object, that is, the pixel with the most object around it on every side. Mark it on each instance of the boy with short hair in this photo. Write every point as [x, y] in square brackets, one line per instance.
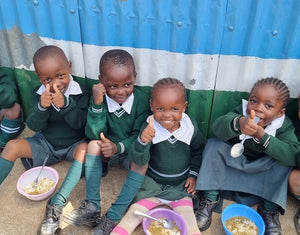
[57, 115]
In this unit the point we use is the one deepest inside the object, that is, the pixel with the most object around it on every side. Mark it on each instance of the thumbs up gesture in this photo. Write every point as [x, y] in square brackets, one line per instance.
[108, 148]
[149, 132]
[57, 97]
[46, 97]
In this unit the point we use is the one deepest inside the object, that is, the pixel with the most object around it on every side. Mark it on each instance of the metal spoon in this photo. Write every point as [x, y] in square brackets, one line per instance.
[166, 223]
[36, 181]
[238, 148]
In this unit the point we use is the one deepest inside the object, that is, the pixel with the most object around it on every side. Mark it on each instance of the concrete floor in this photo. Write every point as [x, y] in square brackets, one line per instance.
[20, 216]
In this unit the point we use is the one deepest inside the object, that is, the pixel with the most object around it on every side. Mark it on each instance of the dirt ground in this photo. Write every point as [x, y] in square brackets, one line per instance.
[20, 216]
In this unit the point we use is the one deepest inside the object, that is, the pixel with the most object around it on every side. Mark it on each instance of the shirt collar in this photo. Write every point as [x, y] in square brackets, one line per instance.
[184, 133]
[114, 106]
[73, 88]
[270, 128]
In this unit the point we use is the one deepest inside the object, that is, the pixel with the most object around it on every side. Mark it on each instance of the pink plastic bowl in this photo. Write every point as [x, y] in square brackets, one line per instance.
[165, 213]
[29, 176]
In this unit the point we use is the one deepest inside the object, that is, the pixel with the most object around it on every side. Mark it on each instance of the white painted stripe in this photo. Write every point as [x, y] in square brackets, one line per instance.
[196, 71]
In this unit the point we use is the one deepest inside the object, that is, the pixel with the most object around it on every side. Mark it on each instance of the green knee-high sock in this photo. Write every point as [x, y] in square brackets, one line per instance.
[212, 195]
[93, 175]
[130, 188]
[270, 206]
[74, 174]
[5, 166]
[10, 129]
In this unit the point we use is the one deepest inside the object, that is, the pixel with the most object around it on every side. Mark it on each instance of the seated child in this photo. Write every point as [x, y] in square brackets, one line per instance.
[57, 115]
[260, 174]
[11, 117]
[170, 144]
[294, 177]
[114, 119]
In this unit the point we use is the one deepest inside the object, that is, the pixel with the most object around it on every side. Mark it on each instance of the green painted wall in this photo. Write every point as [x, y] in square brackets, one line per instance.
[204, 106]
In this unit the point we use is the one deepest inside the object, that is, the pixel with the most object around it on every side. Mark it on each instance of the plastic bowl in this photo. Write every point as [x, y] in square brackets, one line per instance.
[29, 176]
[165, 213]
[245, 211]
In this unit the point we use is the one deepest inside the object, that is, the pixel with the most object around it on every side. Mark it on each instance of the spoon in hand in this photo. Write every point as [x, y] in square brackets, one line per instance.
[238, 148]
[166, 223]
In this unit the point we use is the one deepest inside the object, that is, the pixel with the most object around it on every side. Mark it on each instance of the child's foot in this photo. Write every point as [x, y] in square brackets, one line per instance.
[297, 222]
[204, 213]
[86, 215]
[50, 224]
[105, 226]
[271, 220]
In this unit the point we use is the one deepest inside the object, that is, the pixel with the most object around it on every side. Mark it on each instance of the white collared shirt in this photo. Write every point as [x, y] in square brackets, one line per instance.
[184, 133]
[114, 106]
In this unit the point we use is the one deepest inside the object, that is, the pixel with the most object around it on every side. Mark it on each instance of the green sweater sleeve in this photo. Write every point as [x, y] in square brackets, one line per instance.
[8, 91]
[197, 146]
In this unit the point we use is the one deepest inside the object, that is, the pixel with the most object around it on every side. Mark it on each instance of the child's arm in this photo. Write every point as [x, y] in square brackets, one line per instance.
[8, 91]
[190, 184]
[96, 118]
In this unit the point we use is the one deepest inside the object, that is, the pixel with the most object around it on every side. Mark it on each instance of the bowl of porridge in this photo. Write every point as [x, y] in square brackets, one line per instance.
[153, 227]
[46, 185]
[239, 219]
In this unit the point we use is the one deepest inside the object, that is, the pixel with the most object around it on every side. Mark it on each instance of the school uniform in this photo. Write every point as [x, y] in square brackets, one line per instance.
[263, 168]
[172, 158]
[58, 130]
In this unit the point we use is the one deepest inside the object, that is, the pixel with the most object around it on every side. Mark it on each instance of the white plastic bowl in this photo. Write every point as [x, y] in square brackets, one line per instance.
[29, 176]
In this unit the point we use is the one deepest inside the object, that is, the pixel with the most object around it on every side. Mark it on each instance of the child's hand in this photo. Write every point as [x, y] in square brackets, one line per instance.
[149, 132]
[249, 127]
[108, 148]
[46, 97]
[190, 184]
[57, 97]
[98, 93]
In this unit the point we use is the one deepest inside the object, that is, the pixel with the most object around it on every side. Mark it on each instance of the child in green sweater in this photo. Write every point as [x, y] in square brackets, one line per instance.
[170, 146]
[260, 174]
[57, 115]
[11, 118]
[114, 118]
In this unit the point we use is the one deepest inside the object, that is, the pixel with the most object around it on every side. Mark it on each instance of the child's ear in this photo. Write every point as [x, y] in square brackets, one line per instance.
[281, 112]
[185, 105]
[150, 101]
[70, 66]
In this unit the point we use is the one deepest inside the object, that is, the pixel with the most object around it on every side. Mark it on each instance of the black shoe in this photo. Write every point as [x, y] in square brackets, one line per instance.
[50, 224]
[204, 213]
[271, 219]
[104, 226]
[297, 222]
[86, 215]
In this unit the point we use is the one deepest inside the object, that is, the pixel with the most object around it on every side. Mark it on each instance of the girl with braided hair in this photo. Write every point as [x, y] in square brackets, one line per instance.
[260, 174]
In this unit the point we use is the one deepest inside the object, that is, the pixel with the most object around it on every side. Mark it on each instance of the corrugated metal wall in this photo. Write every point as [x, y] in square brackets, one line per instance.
[217, 48]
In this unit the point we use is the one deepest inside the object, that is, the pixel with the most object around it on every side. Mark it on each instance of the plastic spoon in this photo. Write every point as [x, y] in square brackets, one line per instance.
[36, 181]
[238, 148]
[166, 223]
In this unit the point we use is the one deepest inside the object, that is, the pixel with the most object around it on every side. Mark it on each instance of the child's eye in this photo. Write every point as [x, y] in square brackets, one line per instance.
[268, 106]
[253, 101]
[174, 109]
[159, 109]
[112, 87]
[61, 75]
[127, 85]
[47, 80]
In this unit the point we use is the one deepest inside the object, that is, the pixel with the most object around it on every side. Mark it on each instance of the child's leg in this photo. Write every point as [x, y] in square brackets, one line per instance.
[184, 207]
[11, 125]
[12, 151]
[130, 221]
[131, 186]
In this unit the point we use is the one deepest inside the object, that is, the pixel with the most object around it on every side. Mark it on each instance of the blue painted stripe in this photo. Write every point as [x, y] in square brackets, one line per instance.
[258, 28]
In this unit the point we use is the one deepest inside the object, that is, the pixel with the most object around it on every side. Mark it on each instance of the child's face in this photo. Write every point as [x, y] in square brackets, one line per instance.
[54, 70]
[167, 106]
[119, 82]
[265, 101]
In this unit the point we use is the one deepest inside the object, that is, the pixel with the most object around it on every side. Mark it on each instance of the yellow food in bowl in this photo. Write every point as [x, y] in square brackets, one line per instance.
[157, 228]
[240, 225]
[44, 185]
